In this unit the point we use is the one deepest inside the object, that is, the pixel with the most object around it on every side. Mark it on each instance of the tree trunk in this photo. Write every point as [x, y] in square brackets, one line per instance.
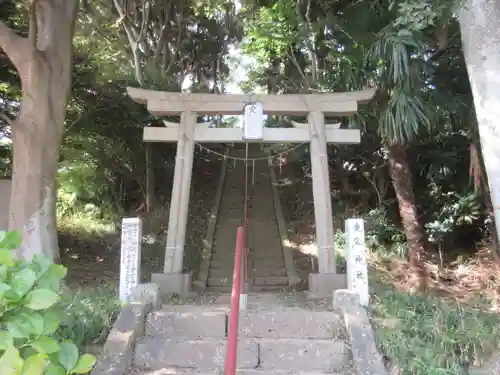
[399, 170]
[481, 43]
[44, 63]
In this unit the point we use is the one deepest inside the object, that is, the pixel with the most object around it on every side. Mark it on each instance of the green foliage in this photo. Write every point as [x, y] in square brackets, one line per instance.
[383, 235]
[88, 314]
[424, 335]
[456, 211]
[29, 295]
[418, 15]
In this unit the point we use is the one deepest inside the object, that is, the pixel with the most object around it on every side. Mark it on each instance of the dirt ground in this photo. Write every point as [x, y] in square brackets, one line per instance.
[94, 259]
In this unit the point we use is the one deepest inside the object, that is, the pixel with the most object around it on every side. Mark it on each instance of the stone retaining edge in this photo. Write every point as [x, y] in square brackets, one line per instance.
[118, 351]
[208, 242]
[366, 359]
[291, 273]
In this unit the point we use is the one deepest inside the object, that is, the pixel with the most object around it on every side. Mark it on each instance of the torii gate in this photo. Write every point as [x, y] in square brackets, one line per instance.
[188, 131]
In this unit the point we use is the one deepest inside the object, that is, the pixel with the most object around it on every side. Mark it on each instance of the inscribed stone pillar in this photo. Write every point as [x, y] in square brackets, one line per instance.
[130, 258]
[357, 269]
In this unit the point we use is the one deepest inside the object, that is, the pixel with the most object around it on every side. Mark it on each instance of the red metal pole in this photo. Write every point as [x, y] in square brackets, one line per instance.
[234, 313]
[245, 223]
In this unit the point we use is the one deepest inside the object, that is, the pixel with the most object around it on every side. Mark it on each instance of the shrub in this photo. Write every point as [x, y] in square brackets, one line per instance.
[87, 314]
[29, 298]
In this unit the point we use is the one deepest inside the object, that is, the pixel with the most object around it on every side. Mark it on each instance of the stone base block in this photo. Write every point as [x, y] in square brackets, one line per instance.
[147, 294]
[172, 283]
[344, 299]
[323, 284]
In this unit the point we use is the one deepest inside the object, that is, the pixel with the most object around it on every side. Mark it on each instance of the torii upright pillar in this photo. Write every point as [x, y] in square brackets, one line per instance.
[327, 279]
[173, 279]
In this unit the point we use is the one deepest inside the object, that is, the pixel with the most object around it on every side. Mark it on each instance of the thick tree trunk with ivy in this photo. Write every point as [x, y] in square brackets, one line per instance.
[44, 63]
[480, 27]
[399, 170]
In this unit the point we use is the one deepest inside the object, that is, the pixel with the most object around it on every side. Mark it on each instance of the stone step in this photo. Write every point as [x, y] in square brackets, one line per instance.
[272, 262]
[257, 371]
[269, 229]
[195, 322]
[300, 354]
[224, 268]
[225, 244]
[231, 214]
[269, 271]
[220, 272]
[219, 288]
[233, 208]
[268, 288]
[261, 248]
[270, 280]
[226, 263]
[267, 252]
[157, 352]
[221, 262]
[263, 215]
[253, 288]
[222, 253]
[231, 219]
[230, 224]
[291, 323]
[261, 263]
[219, 281]
[272, 255]
[221, 256]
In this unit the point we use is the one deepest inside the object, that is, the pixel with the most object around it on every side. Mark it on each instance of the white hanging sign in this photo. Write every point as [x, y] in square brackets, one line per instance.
[130, 260]
[253, 123]
[357, 268]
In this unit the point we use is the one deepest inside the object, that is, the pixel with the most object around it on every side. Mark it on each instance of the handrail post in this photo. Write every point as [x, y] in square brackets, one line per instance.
[234, 313]
[244, 284]
[244, 266]
[240, 285]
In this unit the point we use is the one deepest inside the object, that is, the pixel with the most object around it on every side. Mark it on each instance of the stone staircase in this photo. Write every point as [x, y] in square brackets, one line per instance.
[191, 339]
[220, 274]
[266, 269]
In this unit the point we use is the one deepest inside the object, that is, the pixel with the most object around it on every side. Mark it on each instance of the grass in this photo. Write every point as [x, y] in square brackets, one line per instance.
[425, 335]
[85, 226]
[88, 314]
[440, 333]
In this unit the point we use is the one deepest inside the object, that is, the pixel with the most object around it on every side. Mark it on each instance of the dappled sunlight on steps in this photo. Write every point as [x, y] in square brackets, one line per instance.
[191, 339]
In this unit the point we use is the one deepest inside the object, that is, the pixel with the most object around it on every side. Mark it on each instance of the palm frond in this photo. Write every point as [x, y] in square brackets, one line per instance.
[392, 54]
[403, 117]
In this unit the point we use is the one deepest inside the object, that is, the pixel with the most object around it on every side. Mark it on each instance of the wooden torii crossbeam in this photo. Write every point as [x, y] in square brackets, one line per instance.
[188, 131]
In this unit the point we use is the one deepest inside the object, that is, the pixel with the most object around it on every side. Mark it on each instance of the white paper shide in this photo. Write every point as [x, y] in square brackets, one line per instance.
[130, 261]
[253, 124]
[357, 268]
